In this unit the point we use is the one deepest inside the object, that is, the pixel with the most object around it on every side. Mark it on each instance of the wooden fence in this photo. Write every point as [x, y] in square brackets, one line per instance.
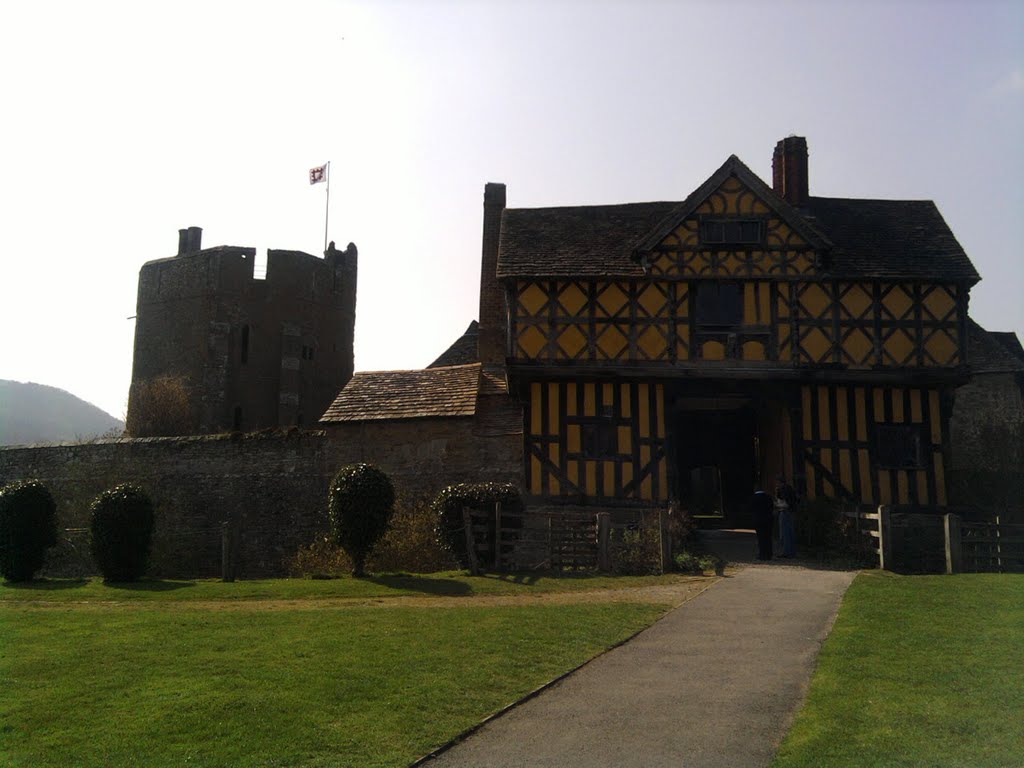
[909, 540]
[556, 539]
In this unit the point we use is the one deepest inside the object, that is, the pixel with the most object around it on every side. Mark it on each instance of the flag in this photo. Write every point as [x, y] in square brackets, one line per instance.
[316, 175]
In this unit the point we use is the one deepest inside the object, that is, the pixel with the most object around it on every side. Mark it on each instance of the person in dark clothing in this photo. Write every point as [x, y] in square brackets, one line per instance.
[785, 503]
[761, 507]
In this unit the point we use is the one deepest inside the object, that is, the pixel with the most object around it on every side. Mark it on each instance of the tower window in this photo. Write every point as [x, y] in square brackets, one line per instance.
[731, 231]
[719, 305]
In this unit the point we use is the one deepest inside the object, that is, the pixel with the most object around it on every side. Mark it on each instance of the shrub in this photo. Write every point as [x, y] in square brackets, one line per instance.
[362, 500]
[637, 552]
[28, 527]
[698, 563]
[448, 506]
[122, 531]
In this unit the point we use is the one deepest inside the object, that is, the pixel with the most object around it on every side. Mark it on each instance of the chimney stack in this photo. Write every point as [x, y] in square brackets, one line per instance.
[190, 240]
[491, 339]
[789, 171]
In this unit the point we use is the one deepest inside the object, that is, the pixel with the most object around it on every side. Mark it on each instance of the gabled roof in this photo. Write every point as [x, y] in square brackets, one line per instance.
[385, 395]
[986, 354]
[1008, 340]
[731, 167]
[884, 239]
[462, 351]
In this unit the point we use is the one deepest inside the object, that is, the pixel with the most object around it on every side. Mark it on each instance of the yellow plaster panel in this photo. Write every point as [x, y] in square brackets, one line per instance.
[531, 342]
[750, 304]
[554, 487]
[935, 415]
[609, 478]
[665, 264]
[939, 302]
[591, 470]
[610, 300]
[809, 472]
[754, 350]
[627, 473]
[902, 487]
[815, 301]
[610, 341]
[900, 347]
[845, 470]
[817, 346]
[884, 487]
[663, 478]
[940, 479]
[659, 402]
[857, 301]
[864, 464]
[898, 302]
[570, 398]
[536, 420]
[535, 476]
[625, 440]
[785, 353]
[572, 438]
[915, 406]
[942, 348]
[589, 397]
[652, 344]
[643, 404]
[653, 301]
[532, 299]
[553, 425]
[758, 207]
[764, 298]
[879, 395]
[645, 484]
[897, 405]
[626, 406]
[713, 350]
[571, 342]
[862, 414]
[572, 298]
[607, 394]
[572, 472]
[859, 347]
[825, 458]
[922, 487]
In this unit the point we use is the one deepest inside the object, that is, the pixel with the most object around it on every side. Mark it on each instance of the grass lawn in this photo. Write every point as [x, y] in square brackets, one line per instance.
[918, 671]
[267, 681]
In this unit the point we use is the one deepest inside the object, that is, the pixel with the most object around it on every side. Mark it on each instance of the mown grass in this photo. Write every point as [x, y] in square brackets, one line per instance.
[262, 683]
[918, 671]
[445, 584]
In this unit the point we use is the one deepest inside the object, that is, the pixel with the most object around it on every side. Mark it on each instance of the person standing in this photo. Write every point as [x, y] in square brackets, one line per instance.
[785, 504]
[761, 508]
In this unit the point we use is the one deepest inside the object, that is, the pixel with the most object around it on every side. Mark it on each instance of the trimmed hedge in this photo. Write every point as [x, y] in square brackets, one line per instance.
[362, 499]
[122, 532]
[448, 505]
[28, 527]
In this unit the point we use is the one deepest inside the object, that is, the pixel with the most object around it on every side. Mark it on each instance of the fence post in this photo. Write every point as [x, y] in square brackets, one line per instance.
[954, 549]
[227, 564]
[666, 541]
[604, 528]
[884, 539]
[467, 525]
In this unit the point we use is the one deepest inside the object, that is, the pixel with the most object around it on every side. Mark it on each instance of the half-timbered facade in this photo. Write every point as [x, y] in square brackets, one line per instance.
[693, 350]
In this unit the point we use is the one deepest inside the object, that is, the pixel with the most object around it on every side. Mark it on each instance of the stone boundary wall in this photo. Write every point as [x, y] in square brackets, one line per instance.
[272, 486]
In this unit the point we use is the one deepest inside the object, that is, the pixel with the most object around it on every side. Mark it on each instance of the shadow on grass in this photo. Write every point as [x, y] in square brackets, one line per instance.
[46, 584]
[160, 585]
[425, 584]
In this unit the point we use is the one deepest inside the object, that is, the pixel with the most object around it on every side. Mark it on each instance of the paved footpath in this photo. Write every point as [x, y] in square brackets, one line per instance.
[715, 683]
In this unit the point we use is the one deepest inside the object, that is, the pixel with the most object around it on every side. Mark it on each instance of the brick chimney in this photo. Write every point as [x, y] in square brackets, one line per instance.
[491, 339]
[789, 170]
[190, 240]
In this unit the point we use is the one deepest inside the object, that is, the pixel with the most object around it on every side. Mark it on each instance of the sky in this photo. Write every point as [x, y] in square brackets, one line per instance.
[123, 122]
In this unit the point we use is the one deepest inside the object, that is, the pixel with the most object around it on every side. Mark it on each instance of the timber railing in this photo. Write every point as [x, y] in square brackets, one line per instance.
[911, 539]
[556, 539]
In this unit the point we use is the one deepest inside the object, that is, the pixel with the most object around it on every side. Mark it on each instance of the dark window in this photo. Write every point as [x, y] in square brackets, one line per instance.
[598, 438]
[245, 343]
[731, 231]
[898, 446]
[719, 304]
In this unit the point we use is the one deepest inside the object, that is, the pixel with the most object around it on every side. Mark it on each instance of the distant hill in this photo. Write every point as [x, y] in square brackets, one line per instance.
[36, 413]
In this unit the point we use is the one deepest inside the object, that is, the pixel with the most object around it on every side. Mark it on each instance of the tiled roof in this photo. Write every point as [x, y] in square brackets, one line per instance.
[463, 351]
[861, 238]
[1009, 341]
[890, 238]
[431, 392]
[987, 355]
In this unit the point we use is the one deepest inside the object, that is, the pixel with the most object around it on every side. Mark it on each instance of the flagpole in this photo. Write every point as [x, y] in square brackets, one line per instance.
[327, 211]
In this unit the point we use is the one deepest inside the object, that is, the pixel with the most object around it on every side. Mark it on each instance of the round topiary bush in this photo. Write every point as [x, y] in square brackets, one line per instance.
[448, 506]
[28, 527]
[122, 531]
[361, 501]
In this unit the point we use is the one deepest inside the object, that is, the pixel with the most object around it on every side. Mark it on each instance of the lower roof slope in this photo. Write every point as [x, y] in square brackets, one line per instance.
[386, 395]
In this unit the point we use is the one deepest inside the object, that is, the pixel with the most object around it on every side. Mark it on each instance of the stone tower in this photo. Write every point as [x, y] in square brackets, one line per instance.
[248, 353]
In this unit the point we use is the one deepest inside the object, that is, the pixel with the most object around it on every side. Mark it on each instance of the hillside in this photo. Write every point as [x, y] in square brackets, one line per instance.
[35, 413]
